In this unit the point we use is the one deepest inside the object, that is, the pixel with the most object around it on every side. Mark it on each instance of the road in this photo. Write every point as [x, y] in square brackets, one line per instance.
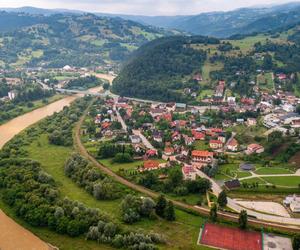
[265, 220]
[201, 109]
[235, 206]
[143, 138]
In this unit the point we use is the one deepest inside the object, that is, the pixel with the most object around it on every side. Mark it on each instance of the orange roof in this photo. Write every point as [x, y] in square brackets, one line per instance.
[105, 125]
[202, 153]
[151, 164]
[232, 142]
[169, 150]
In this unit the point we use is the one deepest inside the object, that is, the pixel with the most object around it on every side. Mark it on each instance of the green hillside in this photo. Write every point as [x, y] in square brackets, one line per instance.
[77, 40]
[164, 69]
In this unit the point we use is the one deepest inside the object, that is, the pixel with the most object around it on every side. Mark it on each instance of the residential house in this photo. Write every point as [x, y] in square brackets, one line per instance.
[151, 153]
[135, 139]
[232, 184]
[168, 154]
[155, 112]
[232, 145]
[150, 165]
[215, 144]
[202, 156]
[254, 148]
[251, 122]
[189, 172]
[222, 138]
[188, 140]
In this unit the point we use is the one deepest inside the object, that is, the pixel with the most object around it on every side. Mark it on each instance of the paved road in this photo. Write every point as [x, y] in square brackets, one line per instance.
[264, 220]
[143, 138]
[254, 175]
[120, 119]
[233, 205]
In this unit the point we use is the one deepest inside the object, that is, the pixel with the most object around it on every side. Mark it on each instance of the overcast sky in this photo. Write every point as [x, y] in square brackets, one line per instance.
[142, 7]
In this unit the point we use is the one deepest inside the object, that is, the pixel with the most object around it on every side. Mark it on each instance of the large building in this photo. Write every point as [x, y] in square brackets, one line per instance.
[202, 156]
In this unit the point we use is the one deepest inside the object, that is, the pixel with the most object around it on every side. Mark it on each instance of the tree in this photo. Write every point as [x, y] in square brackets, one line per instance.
[147, 207]
[175, 177]
[213, 214]
[296, 242]
[170, 211]
[161, 206]
[298, 108]
[267, 63]
[243, 219]
[222, 199]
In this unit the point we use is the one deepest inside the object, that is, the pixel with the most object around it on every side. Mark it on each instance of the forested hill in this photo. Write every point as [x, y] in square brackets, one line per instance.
[61, 39]
[189, 69]
[158, 70]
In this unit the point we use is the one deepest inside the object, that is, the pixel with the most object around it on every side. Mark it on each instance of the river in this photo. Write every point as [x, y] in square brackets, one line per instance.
[12, 235]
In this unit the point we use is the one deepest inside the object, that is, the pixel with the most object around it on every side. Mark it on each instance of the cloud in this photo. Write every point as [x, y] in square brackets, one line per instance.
[142, 7]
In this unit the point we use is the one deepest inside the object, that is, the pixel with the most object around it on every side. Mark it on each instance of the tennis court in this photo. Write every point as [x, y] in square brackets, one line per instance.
[222, 237]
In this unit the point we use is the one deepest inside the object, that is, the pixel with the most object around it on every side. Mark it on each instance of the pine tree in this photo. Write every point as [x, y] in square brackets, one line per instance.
[243, 219]
[213, 214]
[170, 211]
[161, 206]
[222, 199]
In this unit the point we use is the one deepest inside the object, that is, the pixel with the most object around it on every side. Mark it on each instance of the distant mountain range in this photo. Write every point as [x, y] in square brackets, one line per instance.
[218, 24]
[30, 40]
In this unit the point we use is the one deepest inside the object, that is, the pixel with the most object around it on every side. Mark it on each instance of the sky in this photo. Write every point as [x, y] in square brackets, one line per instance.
[142, 7]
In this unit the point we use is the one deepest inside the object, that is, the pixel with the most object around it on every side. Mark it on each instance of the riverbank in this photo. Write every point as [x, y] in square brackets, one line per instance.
[16, 125]
[21, 109]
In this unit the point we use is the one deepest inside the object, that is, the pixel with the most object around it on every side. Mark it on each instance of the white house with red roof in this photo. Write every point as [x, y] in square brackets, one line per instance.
[232, 145]
[189, 172]
[254, 148]
[202, 156]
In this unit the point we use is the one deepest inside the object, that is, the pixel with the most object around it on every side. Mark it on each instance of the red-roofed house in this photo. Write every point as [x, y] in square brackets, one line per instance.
[150, 165]
[215, 144]
[202, 156]
[199, 136]
[105, 125]
[176, 136]
[151, 153]
[254, 148]
[232, 145]
[189, 172]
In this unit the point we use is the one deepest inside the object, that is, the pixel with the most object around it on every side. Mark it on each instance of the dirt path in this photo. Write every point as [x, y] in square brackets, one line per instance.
[15, 237]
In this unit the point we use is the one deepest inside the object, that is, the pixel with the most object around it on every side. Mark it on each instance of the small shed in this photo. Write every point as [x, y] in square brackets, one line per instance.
[232, 184]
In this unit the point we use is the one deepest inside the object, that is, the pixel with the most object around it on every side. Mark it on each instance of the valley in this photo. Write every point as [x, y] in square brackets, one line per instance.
[118, 132]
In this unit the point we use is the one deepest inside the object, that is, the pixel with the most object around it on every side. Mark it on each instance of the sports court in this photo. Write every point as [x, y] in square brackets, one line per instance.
[222, 237]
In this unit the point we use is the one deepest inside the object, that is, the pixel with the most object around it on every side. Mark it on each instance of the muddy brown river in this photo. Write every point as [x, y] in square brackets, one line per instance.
[12, 235]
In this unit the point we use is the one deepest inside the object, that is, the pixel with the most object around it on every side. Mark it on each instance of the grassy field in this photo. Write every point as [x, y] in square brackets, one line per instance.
[265, 82]
[290, 181]
[117, 166]
[273, 170]
[201, 145]
[53, 158]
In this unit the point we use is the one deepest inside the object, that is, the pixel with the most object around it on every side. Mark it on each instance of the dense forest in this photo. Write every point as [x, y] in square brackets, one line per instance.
[157, 69]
